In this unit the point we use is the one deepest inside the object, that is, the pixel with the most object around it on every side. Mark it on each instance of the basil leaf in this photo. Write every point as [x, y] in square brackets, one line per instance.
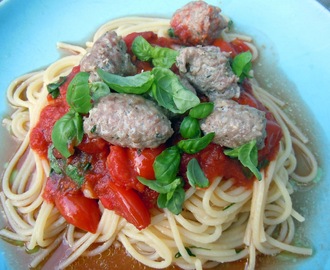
[73, 172]
[174, 202]
[98, 90]
[195, 175]
[202, 110]
[189, 128]
[161, 92]
[242, 65]
[166, 165]
[54, 88]
[192, 146]
[53, 162]
[141, 48]
[137, 84]
[68, 131]
[170, 93]
[162, 57]
[158, 186]
[78, 95]
[247, 154]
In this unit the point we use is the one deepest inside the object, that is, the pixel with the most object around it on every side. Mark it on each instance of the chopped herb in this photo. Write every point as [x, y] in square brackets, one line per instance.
[178, 255]
[228, 206]
[93, 129]
[54, 88]
[247, 154]
[74, 173]
[171, 33]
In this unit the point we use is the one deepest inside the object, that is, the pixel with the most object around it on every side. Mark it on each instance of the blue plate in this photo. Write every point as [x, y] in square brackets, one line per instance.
[295, 41]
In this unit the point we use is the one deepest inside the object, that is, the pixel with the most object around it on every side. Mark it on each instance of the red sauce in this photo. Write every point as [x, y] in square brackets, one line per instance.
[215, 163]
[110, 172]
[40, 137]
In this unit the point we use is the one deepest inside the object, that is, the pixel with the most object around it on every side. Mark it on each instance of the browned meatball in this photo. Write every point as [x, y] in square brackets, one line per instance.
[128, 121]
[198, 23]
[208, 70]
[109, 54]
[235, 124]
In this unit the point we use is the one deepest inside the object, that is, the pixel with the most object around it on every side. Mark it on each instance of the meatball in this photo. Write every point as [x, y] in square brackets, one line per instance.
[109, 54]
[128, 121]
[209, 71]
[235, 124]
[198, 23]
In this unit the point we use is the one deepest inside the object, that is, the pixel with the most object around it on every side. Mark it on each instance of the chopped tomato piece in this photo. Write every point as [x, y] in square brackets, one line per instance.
[79, 211]
[143, 160]
[126, 203]
[239, 45]
[93, 145]
[125, 164]
[225, 46]
[121, 168]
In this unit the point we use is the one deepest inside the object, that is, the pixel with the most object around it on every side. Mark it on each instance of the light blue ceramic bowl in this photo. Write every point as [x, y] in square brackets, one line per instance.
[295, 40]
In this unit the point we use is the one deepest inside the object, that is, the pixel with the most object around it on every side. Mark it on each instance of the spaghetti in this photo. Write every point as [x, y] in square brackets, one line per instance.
[222, 223]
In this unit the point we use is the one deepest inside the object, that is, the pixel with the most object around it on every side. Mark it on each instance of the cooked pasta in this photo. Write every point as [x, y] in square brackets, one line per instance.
[222, 223]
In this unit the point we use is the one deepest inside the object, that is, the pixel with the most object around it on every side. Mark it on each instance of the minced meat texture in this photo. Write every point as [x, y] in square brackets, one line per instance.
[109, 54]
[235, 124]
[198, 23]
[209, 71]
[128, 121]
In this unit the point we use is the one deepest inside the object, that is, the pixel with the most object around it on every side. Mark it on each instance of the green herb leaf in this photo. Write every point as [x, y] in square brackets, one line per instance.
[242, 65]
[54, 88]
[78, 94]
[195, 175]
[73, 172]
[170, 93]
[173, 201]
[163, 57]
[137, 84]
[192, 146]
[202, 110]
[247, 154]
[228, 206]
[160, 187]
[166, 165]
[170, 32]
[142, 48]
[53, 162]
[189, 128]
[98, 90]
[160, 57]
[178, 254]
[68, 131]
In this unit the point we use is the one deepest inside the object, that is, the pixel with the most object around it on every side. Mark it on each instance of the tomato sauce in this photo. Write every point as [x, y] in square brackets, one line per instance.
[110, 172]
[40, 137]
